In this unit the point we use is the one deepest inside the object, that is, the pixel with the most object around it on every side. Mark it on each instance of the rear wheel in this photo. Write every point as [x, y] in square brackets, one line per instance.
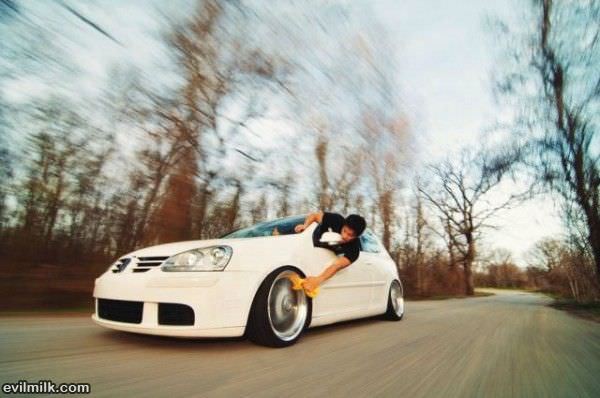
[278, 314]
[395, 307]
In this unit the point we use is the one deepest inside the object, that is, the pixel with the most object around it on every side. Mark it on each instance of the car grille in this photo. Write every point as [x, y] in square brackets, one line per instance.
[145, 264]
[131, 312]
[121, 310]
[175, 314]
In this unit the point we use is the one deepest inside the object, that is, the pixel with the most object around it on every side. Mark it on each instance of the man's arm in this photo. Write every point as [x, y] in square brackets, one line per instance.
[351, 255]
[332, 269]
[312, 217]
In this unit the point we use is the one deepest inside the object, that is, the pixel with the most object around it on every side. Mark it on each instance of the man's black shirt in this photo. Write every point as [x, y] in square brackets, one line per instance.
[335, 221]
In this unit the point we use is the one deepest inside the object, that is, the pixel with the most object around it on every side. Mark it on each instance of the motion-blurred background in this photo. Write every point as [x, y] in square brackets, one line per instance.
[465, 133]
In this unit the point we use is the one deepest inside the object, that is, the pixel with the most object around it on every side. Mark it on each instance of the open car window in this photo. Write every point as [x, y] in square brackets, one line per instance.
[281, 226]
[369, 242]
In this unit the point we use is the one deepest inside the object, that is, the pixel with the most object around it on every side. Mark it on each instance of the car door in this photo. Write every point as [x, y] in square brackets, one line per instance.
[349, 290]
[376, 259]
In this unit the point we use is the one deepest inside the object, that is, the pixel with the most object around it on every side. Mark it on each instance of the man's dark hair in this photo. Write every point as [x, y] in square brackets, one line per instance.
[356, 222]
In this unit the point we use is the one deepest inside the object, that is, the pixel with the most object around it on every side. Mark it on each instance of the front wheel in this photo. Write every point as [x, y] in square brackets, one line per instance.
[278, 314]
[395, 307]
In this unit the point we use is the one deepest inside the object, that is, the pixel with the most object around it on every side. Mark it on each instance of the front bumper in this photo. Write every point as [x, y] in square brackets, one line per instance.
[220, 300]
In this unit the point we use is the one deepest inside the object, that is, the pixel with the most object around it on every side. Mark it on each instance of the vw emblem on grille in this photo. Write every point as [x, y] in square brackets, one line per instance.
[123, 264]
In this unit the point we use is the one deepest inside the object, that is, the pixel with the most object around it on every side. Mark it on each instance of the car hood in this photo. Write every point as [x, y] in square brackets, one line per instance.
[170, 249]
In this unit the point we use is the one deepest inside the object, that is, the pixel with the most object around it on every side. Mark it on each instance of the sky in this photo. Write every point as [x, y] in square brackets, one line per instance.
[445, 50]
[445, 54]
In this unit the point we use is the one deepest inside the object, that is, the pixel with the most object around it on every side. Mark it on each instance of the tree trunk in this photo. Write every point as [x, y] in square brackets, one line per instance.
[468, 264]
[172, 221]
[572, 132]
[203, 200]
[386, 201]
[595, 242]
[54, 207]
[321, 154]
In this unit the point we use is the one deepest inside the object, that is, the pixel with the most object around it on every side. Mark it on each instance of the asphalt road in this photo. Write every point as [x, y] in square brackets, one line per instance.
[507, 345]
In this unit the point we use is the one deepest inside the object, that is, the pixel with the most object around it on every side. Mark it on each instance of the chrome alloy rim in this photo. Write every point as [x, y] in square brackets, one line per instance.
[397, 298]
[287, 308]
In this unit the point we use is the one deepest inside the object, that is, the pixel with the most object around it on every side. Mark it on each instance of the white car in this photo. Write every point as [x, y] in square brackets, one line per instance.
[238, 286]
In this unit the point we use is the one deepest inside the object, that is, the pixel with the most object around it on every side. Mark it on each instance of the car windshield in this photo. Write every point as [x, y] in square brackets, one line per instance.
[281, 226]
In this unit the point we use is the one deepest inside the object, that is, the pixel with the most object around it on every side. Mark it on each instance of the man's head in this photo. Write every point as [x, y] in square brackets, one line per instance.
[354, 225]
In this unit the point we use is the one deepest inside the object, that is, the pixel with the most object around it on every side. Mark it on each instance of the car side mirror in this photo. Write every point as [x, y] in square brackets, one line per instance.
[331, 238]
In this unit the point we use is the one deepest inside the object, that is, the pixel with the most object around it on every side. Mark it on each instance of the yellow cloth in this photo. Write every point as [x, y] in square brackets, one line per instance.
[297, 285]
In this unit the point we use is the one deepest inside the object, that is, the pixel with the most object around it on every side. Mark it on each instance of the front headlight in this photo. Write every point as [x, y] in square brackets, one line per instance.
[213, 258]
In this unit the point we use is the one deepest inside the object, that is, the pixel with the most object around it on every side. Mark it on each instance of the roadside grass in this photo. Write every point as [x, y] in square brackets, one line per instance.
[65, 311]
[478, 293]
[590, 311]
[524, 289]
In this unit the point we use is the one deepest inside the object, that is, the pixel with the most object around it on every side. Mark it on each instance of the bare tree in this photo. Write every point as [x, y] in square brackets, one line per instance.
[461, 194]
[554, 76]
[385, 132]
[557, 266]
[500, 270]
[259, 210]
[173, 219]
[188, 130]
[421, 243]
[321, 153]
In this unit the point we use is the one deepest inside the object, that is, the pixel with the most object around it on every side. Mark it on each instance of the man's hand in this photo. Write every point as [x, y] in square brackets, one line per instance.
[312, 217]
[311, 283]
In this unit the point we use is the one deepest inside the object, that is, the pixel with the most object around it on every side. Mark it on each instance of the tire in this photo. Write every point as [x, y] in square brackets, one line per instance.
[395, 312]
[278, 315]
